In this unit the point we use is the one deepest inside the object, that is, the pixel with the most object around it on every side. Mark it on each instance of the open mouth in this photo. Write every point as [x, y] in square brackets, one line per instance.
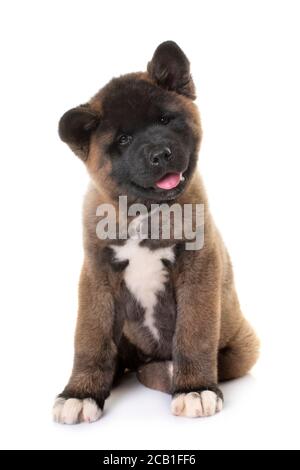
[167, 187]
[169, 181]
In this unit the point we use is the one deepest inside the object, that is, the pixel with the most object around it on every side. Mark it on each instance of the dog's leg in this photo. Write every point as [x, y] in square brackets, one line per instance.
[195, 346]
[95, 353]
[240, 355]
[157, 375]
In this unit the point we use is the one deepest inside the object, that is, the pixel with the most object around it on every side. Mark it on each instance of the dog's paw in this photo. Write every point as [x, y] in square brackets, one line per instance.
[196, 404]
[73, 410]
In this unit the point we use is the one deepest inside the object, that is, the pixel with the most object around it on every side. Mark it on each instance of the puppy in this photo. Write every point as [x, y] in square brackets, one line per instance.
[150, 305]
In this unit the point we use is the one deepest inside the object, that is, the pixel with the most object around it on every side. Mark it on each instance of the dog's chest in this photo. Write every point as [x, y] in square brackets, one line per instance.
[145, 277]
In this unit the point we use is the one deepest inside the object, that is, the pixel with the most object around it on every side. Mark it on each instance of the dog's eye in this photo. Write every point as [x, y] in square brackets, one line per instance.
[124, 139]
[164, 120]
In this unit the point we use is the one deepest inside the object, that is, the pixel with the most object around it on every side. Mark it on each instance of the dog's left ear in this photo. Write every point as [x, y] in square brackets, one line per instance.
[170, 68]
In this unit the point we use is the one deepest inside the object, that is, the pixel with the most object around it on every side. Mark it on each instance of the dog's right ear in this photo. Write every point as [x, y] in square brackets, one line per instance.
[75, 129]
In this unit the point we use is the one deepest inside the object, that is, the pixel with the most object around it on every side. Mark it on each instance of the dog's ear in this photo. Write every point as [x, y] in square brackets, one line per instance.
[170, 68]
[75, 129]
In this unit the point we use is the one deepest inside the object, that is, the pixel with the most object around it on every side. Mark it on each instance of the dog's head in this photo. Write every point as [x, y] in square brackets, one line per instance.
[140, 135]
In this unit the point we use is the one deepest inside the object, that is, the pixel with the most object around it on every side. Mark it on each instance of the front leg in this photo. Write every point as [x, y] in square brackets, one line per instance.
[95, 353]
[195, 348]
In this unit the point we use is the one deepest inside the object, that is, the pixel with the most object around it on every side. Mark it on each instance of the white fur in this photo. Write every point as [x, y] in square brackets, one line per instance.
[171, 369]
[194, 405]
[219, 405]
[74, 411]
[145, 275]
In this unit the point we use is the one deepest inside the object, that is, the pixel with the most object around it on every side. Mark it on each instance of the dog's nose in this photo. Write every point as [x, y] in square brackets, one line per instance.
[160, 155]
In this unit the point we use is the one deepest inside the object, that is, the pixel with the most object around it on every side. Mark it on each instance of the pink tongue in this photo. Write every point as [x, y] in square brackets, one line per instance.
[169, 181]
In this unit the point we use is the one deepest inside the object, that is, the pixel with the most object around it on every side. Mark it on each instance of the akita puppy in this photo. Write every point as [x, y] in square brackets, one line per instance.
[150, 304]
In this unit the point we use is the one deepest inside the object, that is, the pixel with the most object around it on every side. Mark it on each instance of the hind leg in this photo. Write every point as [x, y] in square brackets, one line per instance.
[159, 376]
[240, 355]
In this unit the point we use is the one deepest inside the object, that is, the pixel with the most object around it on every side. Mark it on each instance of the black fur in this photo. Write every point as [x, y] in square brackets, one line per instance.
[75, 128]
[147, 122]
[211, 388]
[108, 256]
[170, 68]
[135, 108]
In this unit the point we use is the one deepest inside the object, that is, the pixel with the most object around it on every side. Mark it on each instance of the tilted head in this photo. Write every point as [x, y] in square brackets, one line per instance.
[139, 135]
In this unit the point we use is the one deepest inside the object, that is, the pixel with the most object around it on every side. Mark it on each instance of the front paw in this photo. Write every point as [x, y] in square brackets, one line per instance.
[196, 404]
[74, 410]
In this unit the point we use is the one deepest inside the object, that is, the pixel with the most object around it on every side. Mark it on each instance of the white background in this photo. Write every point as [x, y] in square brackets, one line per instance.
[245, 62]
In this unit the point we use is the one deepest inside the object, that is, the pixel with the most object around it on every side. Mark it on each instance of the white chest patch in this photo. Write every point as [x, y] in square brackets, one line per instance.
[145, 275]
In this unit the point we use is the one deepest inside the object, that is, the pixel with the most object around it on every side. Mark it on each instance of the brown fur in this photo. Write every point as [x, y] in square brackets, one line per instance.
[211, 339]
